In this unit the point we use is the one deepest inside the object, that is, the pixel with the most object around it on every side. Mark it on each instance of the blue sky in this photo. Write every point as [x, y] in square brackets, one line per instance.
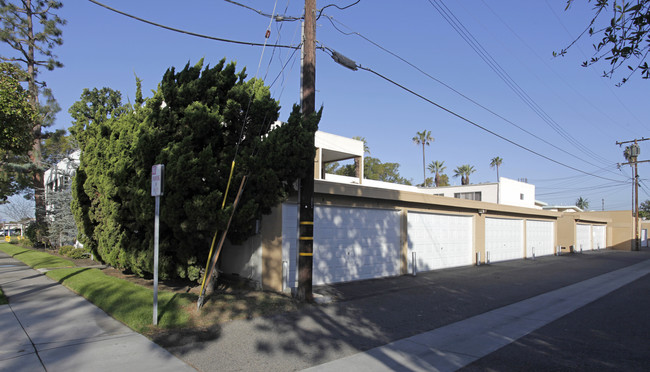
[105, 49]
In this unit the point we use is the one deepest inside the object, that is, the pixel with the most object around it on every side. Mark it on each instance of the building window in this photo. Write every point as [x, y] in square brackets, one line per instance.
[468, 195]
[521, 196]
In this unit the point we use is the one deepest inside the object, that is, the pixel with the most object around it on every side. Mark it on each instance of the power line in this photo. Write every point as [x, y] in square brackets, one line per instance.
[349, 62]
[566, 30]
[332, 20]
[481, 127]
[560, 78]
[320, 11]
[189, 32]
[277, 17]
[458, 26]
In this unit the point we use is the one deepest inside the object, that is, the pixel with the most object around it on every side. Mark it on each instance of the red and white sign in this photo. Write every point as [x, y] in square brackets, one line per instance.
[157, 176]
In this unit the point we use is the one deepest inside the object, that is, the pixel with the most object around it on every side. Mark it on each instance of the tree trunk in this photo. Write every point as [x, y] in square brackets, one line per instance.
[35, 154]
[424, 169]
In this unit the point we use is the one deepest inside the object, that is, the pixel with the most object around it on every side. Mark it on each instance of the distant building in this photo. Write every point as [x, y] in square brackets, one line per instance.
[330, 148]
[60, 175]
[58, 182]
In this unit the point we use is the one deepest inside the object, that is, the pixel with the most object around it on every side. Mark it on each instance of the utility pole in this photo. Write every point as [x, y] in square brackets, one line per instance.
[306, 192]
[632, 155]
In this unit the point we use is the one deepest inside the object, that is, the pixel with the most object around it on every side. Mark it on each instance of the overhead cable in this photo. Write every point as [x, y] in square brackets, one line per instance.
[320, 11]
[331, 52]
[458, 26]
[277, 17]
[332, 20]
[189, 32]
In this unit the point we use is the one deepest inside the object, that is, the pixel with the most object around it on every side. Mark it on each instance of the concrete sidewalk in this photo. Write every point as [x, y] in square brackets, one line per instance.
[454, 346]
[46, 327]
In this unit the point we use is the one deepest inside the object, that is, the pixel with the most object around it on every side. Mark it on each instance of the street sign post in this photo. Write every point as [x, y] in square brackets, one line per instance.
[157, 182]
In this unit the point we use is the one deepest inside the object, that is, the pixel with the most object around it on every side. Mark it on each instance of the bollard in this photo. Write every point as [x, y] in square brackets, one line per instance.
[285, 274]
[487, 257]
[415, 264]
[478, 258]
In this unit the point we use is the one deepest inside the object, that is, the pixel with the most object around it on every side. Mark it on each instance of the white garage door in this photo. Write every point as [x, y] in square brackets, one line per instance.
[599, 236]
[540, 238]
[355, 243]
[583, 238]
[504, 239]
[439, 241]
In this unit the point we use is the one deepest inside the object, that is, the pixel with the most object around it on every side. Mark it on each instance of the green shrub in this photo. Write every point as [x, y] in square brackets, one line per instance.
[65, 250]
[35, 232]
[78, 253]
[72, 252]
[193, 273]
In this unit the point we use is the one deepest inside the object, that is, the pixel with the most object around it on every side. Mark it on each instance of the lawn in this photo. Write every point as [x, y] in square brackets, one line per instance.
[125, 301]
[132, 303]
[35, 259]
[3, 299]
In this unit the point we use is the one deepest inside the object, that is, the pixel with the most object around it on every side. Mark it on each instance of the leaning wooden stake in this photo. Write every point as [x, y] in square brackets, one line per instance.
[221, 241]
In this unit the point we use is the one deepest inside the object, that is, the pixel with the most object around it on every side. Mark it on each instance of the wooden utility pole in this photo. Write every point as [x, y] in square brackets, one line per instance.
[634, 152]
[306, 192]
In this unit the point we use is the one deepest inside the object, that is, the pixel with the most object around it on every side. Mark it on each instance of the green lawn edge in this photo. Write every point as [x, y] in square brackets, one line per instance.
[3, 299]
[34, 259]
[125, 301]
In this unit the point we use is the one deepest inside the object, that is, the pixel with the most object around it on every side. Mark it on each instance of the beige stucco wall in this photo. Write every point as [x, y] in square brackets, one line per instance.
[620, 227]
[479, 237]
[271, 231]
[619, 230]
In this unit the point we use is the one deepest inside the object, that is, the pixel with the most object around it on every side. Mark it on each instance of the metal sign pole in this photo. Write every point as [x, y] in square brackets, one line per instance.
[155, 261]
[157, 179]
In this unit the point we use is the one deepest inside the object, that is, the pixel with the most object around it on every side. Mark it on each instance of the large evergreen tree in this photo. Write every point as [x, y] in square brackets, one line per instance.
[198, 121]
[31, 29]
[16, 118]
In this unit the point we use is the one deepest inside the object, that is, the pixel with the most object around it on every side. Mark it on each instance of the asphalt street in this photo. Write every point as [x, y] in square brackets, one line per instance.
[610, 334]
[369, 314]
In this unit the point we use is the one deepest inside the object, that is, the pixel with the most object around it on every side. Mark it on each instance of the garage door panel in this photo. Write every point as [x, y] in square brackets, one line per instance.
[290, 243]
[599, 237]
[583, 237]
[504, 239]
[355, 243]
[439, 241]
[540, 238]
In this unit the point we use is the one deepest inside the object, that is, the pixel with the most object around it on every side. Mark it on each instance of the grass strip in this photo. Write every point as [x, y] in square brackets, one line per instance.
[128, 302]
[35, 259]
[3, 299]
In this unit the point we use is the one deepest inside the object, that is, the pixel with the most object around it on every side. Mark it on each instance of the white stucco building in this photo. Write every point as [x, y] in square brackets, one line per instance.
[60, 175]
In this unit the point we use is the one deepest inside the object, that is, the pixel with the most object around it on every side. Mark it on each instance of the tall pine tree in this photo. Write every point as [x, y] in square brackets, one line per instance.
[32, 29]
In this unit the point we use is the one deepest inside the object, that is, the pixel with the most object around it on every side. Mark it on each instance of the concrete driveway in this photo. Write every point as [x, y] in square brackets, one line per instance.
[387, 312]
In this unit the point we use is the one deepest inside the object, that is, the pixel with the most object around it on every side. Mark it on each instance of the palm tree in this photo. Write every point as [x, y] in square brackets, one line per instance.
[437, 167]
[582, 203]
[423, 138]
[496, 162]
[463, 171]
